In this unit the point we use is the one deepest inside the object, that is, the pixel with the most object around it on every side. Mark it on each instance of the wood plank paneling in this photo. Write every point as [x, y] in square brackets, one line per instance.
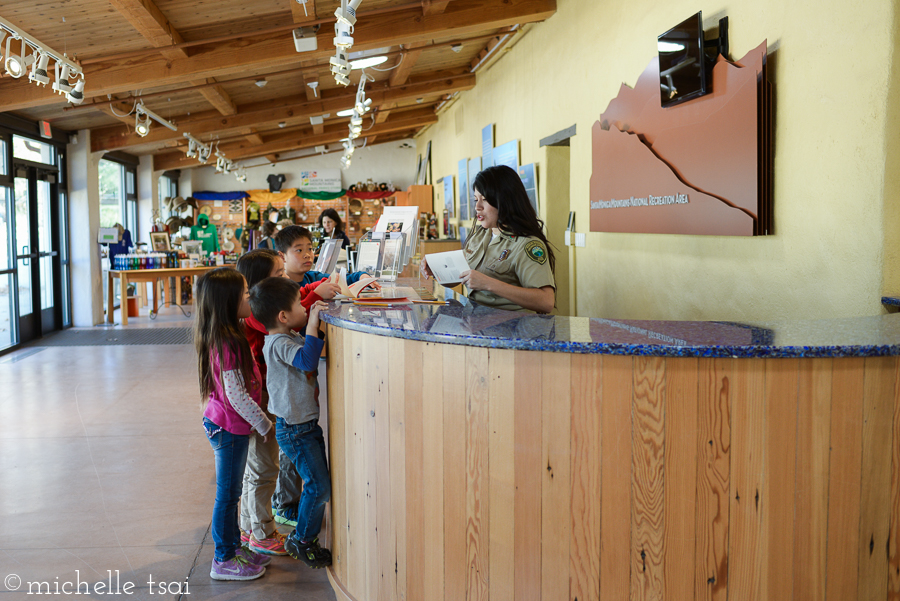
[337, 401]
[777, 499]
[407, 433]
[526, 475]
[584, 551]
[387, 405]
[529, 473]
[377, 476]
[556, 513]
[648, 478]
[478, 526]
[747, 465]
[875, 511]
[433, 475]
[502, 483]
[847, 385]
[681, 476]
[713, 475]
[894, 548]
[811, 499]
[455, 574]
[615, 478]
[358, 382]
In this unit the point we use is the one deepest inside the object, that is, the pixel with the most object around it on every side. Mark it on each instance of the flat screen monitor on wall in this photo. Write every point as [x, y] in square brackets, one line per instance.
[683, 71]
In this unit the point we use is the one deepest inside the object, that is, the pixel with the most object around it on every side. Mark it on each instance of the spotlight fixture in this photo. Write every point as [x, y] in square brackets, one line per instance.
[16, 65]
[76, 96]
[346, 113]
[343, 39]
[261, 83]
[457, 48]
[33, 52]
[142, 119]
[141, 124]
[39, 70]
[346, 12]
[197, 149]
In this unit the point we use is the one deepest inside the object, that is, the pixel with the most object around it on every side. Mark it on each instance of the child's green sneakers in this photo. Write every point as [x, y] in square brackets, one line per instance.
[309, 553]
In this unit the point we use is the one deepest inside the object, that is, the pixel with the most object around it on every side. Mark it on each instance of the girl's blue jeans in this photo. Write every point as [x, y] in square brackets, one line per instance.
[231, 458]
[304, 445]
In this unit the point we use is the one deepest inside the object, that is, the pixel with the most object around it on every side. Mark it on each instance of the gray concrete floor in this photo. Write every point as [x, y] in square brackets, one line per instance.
[104, 469]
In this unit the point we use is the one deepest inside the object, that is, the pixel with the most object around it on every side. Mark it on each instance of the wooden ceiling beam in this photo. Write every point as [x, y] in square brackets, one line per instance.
[290, 141]
[217, 96]
[252, 136]
[118, 137]
[461, 18]
[400, 75]
[151, 23]
[434, 7]
[121, 111]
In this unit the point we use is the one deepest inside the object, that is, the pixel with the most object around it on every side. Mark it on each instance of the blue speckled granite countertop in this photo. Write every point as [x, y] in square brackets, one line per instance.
[466, 323]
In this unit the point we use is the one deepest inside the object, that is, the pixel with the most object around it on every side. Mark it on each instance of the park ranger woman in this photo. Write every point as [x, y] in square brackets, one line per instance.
[512, 264]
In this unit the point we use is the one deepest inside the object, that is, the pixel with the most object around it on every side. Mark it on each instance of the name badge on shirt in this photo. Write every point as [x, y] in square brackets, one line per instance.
[503, 255]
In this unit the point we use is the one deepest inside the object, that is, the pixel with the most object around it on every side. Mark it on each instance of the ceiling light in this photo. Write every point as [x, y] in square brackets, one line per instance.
[346, 12]
[35, 52]
[142, 110]
[261, 83]
[76, 96]
[39, 70]
[341, 79]
[346, 113]
[457, 48]
[141, 124]
[17, 65]
[371, 61]
[282, 124]
[343, 36]
[62, 84]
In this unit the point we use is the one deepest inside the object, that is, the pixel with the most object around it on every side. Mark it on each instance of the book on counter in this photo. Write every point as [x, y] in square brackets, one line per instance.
[359, 294]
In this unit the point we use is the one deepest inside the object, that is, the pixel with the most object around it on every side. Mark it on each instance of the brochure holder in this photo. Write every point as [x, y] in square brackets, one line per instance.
[393, 247]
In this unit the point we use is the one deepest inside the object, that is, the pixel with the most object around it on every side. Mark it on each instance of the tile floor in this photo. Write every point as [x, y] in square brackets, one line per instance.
[105, 470]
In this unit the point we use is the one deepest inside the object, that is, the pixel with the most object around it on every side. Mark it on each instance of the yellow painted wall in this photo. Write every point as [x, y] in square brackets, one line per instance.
[837, 151]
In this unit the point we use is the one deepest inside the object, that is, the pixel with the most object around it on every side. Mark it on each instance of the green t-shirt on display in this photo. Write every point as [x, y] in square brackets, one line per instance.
[208, 235]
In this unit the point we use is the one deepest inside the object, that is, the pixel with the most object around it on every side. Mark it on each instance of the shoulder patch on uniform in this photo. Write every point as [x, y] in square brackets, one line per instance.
[536, 251]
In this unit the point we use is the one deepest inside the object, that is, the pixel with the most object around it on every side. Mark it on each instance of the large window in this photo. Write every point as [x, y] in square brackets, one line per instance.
[112, 194]
[34, 151]
[118, 195]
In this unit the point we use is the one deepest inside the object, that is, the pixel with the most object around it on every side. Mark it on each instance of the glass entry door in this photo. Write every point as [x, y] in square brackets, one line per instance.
[37, 253]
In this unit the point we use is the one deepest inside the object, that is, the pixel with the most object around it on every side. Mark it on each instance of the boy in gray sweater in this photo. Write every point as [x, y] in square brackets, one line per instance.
[292, 380]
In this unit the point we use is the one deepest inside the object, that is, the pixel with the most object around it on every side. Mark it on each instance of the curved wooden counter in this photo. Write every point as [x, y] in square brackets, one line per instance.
[467, 472]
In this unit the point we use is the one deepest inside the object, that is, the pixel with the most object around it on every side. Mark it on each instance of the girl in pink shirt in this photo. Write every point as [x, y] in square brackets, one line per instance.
[230, 388]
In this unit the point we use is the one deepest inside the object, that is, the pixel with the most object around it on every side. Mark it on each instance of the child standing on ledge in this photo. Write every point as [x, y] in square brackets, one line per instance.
[292, 381]
[230, 391]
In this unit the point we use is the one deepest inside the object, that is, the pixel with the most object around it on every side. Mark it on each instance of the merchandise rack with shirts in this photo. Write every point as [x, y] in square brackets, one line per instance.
[358, 215]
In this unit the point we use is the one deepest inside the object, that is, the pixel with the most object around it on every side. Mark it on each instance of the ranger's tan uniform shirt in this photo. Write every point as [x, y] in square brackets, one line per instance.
[517, 260]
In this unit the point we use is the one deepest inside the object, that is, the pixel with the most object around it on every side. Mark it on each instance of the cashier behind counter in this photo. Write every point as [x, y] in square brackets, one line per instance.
[512, 264]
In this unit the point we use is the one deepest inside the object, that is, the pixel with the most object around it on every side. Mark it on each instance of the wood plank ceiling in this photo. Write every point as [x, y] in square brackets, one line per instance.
[197, 64]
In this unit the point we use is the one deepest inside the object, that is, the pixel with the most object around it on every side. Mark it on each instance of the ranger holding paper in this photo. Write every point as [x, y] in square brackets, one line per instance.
[512, 264]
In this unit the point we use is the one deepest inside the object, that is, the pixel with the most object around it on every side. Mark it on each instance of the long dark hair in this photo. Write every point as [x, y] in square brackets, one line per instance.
[256, 265]
[333, 215]
[217, 329]
[502, 188]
